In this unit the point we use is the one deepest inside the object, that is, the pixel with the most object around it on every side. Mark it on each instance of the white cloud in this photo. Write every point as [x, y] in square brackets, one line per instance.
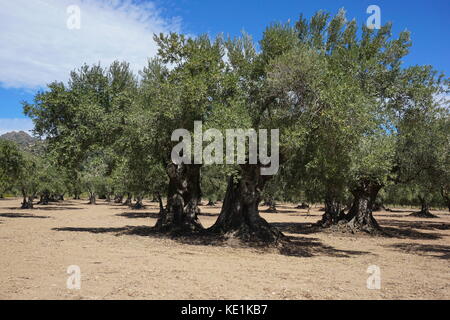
[37, 47]
[7, 125]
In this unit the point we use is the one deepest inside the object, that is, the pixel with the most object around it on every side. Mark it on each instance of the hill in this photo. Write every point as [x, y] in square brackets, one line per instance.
[22, 138]
[25, 142]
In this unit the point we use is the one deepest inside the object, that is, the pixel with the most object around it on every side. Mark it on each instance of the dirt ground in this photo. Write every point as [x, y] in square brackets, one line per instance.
[119, 262]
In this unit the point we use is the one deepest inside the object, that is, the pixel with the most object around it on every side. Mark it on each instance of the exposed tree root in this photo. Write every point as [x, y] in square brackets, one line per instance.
[423, 214]
[261, 233]
[378, 207]
[28, 204]
[333, 213]
[360, 217]
[138, 206]
[303, 206]
[367, 224]
[184, 195]
[239, 217]
[271, 209]
[425, 210]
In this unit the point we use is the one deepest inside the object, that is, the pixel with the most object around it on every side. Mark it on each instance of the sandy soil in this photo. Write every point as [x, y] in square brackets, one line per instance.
[119, 262]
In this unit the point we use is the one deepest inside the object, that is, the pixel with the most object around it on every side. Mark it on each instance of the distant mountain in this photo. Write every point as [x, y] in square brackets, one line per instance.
[23, 139]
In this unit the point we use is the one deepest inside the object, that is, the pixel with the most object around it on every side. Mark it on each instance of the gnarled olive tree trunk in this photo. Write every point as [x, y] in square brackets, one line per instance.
[425, 209]
[334, 212]
[183, 199]
[160, 202]
[118, 198]
[139, 203]
[128, 200]
[45, 198]
[92, 198]
[272, 206]
[360, 216]
[239, 216]
[27, 202]
[303, 206]
[445, 192]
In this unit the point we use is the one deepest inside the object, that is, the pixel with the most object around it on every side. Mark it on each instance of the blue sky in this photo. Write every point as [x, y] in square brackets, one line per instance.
[37, 46]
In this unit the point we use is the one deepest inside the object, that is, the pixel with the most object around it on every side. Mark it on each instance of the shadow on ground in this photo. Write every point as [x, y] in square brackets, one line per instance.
[408, 233]
[21, 215]
[380, 216]
[56, 208]
[93, 230]
[423, 225]
[296, 227]
[279, 211]
[310, 247]
[433, 250]
[291, 246]
[401, 211]
[127, 207]
[208, 214]
[404, 230]
[138, 215]
[46, 208]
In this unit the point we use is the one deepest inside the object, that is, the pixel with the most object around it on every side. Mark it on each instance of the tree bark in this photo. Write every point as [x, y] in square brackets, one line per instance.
[139, 204]
[378, 206]
[303, 205]
[45, 198]
[161, 205]
[239, 216]
[272, 206]
[27, 202]
[128, 201]
[425, 209]
[183, 199]
[92, 199]
[360, 216]
[333, 211]
[118, 198]
[446, 195]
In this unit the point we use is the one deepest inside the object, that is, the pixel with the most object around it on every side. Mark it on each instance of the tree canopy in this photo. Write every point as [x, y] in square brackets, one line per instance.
[352, 121]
